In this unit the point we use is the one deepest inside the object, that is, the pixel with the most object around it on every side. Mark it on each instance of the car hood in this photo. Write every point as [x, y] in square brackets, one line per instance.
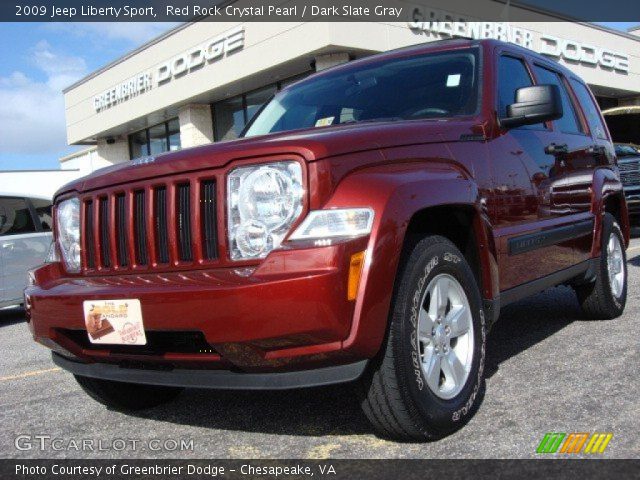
[310, 144]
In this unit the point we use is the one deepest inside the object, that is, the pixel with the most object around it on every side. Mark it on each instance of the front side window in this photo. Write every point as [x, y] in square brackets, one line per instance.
[409, 88]
[512, 75]
[161, 138]
[43, 210]
[568, 123]
[15, 217]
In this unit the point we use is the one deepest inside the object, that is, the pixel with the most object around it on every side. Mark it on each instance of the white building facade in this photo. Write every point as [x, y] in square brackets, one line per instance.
[203, 81]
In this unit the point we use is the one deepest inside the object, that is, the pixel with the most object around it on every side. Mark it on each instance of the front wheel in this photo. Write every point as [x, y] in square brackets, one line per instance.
[606, 298]
[428, 379]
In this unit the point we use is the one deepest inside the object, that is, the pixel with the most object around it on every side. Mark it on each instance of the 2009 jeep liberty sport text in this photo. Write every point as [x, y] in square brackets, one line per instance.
[369, 226]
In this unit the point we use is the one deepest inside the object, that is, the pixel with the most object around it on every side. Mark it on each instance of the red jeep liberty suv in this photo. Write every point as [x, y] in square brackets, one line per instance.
[368, 226]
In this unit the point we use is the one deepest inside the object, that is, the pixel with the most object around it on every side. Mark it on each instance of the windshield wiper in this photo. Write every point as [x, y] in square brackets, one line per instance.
[370, 120]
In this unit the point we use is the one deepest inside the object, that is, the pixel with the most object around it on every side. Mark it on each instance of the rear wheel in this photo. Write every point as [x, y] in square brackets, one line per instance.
[127, 396]
[427, 381]
[606, 298]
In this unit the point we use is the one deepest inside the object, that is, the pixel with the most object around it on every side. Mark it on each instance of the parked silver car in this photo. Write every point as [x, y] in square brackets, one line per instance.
[25, 238]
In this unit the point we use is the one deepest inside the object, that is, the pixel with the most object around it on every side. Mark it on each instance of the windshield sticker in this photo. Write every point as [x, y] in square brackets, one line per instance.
[323, 122]
[453, 80]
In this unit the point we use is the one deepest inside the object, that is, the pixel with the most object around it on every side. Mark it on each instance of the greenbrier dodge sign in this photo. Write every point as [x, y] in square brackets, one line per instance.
[429, 22]
[199, 56]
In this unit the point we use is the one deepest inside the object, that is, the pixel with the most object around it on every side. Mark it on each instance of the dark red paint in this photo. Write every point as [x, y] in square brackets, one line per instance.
[292, 311]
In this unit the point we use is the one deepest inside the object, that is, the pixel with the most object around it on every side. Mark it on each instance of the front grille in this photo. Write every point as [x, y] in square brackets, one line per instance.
[151, 226]
[630, 173]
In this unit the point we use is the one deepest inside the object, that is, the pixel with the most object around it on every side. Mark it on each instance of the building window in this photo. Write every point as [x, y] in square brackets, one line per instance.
[229, 118]
[164, 137]
[232, 115]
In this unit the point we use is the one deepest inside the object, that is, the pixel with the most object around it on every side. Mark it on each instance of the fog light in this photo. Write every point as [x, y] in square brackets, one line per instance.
[252, 238]
[355, 271]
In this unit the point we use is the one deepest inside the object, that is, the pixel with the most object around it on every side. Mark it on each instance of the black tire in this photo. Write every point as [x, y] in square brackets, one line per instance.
[395, 394]
[127, 396]
[597, 299]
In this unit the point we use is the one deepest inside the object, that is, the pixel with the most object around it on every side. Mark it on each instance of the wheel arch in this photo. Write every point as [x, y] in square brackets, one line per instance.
[608, 197]
[410, 200]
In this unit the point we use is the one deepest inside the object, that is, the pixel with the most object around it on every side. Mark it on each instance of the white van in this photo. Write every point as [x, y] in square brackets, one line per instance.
[25, 238]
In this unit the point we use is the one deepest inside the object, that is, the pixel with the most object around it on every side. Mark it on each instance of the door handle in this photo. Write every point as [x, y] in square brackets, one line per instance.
[556, 149]
[8, 246]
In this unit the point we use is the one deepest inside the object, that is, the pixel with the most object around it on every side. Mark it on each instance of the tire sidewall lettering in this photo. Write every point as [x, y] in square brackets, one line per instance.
[442, 259]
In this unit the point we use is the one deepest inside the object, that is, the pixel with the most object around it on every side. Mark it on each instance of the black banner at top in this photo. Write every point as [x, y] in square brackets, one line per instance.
[317, 10]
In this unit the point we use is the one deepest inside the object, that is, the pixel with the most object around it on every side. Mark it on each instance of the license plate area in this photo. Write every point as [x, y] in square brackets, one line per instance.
[114, 322]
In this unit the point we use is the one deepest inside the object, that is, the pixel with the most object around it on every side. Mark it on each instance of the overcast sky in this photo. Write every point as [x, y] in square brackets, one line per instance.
[38, 61]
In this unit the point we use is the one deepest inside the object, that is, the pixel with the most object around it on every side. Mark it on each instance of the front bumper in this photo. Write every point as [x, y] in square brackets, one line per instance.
[291, 313]
[217, 379]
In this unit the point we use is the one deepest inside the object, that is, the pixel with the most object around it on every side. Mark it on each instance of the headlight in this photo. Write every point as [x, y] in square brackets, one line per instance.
[52, 255]
[263, 202]
[68, 227]
[323, 225]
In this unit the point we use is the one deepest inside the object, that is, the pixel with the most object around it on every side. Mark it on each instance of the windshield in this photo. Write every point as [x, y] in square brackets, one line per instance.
[426, 86]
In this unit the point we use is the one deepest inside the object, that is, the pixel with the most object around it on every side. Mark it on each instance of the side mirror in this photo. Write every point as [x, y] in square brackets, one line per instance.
[536, 104]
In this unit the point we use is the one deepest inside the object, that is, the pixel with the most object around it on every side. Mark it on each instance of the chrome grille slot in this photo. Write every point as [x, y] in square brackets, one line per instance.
[162, 234]
[183, 223]
[89, 238]
[105, 250]
[208, 218]
[140, 227]
[121, 230]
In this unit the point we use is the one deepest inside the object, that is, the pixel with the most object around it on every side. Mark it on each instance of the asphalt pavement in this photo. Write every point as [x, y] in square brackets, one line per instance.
[548, 370]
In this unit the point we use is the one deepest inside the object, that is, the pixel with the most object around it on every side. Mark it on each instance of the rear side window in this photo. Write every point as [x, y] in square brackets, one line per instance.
[590, 109]
[43, 210]
[569, 122]
[15, 217]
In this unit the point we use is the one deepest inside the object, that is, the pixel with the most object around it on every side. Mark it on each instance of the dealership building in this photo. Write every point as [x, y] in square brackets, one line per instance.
[202, 82]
